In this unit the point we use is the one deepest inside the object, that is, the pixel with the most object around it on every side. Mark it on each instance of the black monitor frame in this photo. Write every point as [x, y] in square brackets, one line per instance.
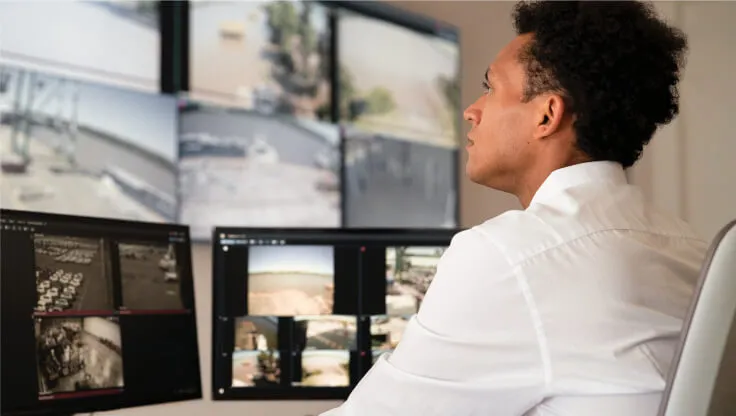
[224, 313]
[174, 26]
[19, 225]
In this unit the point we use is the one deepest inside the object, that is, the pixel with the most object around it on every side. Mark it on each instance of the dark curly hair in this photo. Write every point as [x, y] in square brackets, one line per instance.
[616, 65]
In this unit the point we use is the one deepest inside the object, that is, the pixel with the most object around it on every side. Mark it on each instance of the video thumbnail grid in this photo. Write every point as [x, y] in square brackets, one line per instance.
[296, 321]
[83, 284]
[81, 275]
[303, 351]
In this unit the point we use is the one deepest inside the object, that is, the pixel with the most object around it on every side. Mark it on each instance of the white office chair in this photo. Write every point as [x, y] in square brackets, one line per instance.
[702, 379]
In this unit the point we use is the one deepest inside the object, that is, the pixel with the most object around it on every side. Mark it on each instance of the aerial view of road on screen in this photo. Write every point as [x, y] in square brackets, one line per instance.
[269, 56]
[78, 148]
[243, 168]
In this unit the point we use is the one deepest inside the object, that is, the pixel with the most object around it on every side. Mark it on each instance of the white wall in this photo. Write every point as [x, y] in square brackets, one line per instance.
[689, 168]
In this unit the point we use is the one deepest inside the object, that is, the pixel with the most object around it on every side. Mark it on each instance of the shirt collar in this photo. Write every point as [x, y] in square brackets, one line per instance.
[580, 174]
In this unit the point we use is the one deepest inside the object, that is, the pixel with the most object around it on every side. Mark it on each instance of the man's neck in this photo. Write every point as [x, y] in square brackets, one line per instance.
[530, 182]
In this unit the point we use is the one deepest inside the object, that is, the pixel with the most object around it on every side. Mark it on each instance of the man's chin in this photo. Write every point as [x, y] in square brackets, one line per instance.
[473, 173]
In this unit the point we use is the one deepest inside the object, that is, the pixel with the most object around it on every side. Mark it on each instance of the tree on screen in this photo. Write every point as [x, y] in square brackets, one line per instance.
[450, 88]
[380, 100]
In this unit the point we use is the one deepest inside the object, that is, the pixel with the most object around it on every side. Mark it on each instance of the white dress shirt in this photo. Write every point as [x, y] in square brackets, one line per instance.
[572, 307]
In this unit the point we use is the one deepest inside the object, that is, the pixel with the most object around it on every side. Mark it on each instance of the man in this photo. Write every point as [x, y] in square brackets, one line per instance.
[573, 306]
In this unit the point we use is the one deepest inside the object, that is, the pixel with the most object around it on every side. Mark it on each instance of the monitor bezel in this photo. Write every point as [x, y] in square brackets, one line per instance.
[328, 236]
[98, 403]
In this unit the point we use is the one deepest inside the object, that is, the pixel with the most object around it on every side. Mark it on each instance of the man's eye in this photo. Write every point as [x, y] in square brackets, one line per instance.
[486, 87]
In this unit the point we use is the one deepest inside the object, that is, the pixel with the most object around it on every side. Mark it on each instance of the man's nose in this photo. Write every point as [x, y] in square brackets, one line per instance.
[472, 114]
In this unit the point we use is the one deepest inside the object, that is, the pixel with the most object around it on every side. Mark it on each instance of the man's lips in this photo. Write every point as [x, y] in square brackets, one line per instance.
[470, 141]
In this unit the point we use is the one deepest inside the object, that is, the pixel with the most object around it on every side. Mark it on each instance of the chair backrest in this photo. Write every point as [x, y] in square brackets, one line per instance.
[704, 367]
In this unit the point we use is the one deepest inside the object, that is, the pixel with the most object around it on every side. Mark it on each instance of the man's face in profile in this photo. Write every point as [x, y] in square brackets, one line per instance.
[501, 122]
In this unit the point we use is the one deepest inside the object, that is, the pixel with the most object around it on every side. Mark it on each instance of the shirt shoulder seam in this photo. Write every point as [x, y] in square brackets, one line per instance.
[568, 241]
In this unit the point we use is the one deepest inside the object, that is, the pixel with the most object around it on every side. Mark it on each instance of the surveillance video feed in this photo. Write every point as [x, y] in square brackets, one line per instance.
[326, 332]
[256, 369]
[409, 271]
[398, 183]
[256, 333]
[72, 274]
[70, 147]
[325, 368]
[290, 280]
[149, 277]
[416, 97]
[268, 56]
[247, 169]
[386, 331]
[78, 354]
[114, 42]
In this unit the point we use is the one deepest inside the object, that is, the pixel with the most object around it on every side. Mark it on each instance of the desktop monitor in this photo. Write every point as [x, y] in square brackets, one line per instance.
[79, 148]
[300, 313]
[399, 105]
[111, 42]
[96, 314]
[243, 168]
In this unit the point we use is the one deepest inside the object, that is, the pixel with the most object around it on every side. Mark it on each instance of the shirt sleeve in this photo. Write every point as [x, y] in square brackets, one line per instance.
[471, 350]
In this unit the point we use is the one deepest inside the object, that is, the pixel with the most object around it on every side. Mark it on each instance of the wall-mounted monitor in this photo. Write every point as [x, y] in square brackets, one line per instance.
[112, 42]
[268, 56]
[96, 314]
[399, 103]
[300, 313]
[78, 148]
[244, 168]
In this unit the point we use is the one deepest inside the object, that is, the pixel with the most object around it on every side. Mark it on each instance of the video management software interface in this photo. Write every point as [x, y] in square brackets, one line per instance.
[305, 313]
[95, 313]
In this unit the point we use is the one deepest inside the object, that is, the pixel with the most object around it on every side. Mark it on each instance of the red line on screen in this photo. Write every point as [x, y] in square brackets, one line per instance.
[77, 394]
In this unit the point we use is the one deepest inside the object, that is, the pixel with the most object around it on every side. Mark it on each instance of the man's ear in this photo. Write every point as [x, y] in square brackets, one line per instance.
[551, 113]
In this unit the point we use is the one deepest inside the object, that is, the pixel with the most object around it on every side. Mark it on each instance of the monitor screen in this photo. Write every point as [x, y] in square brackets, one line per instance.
[96, 314]
[78, 148]
[300, 313]
[399, 100]
[398, 183]
[112, 42]
[242, 168]
[269, 56]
